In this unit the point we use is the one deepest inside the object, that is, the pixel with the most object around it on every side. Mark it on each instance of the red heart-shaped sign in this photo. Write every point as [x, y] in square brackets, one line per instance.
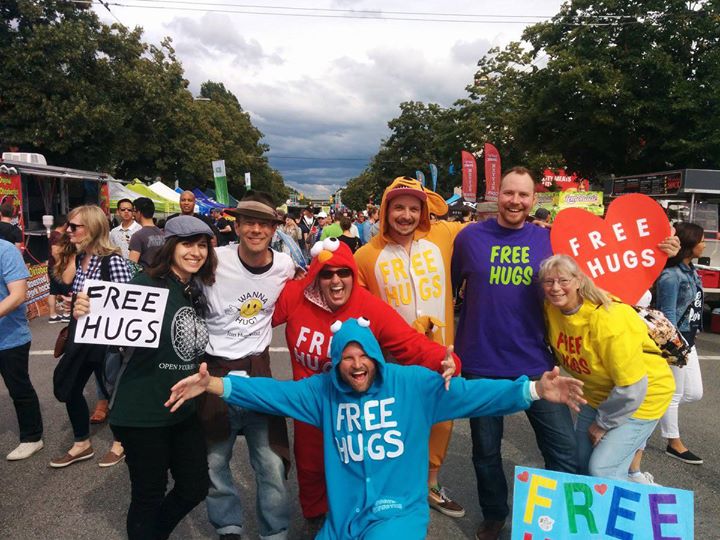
[619, 253]
[523, 476]
[600, 488]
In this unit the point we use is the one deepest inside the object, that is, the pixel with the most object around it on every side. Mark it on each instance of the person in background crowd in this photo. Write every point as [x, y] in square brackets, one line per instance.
[57, 286]
[292, 229]
[333, 230]
[248, 281]
[226, 234]
[466, 215]
[542, 214]
[374, 490]
[346, 237]
[120, 235]
[359, 225]
[408, 266]
[308, 307]
[309, 227]
[148, 241]
[8, 230]
[89, 233]
[15, 341]
[628, 384]
[372, 226]
[156, 441]
[187, 208]
[680, 298]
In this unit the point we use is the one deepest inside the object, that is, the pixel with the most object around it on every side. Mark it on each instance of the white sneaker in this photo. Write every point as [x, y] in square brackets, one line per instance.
[25, 450]
[640, 477]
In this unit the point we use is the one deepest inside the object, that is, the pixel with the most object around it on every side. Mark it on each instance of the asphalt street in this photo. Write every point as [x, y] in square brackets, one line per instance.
[84, 501]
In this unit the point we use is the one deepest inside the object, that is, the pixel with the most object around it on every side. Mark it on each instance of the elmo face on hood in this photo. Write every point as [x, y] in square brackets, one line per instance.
[430, 201]
[330, 253]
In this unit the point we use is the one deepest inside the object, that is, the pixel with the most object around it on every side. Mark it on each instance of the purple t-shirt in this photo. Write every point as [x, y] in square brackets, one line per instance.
[501, 332]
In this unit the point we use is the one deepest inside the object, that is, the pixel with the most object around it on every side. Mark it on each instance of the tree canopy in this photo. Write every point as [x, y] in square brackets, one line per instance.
[605, 87]
[97, 97]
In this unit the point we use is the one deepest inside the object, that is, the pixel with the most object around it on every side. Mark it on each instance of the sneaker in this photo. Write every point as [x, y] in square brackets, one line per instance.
[55, 319]
[65, 319]
[111, 458]
[640, 477]
[25, 450]
[687, 456]
[67, 459]
[439, 500]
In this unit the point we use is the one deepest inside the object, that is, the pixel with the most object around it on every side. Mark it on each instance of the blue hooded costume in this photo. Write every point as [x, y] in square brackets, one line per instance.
[375, 442]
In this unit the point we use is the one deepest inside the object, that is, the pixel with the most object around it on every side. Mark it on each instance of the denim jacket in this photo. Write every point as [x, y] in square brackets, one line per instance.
[676, 289]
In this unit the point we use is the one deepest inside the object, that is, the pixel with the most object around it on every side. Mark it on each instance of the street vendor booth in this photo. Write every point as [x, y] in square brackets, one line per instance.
[691, 195]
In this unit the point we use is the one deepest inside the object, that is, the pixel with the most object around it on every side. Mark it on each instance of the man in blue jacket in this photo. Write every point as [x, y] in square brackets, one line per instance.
[376, 420]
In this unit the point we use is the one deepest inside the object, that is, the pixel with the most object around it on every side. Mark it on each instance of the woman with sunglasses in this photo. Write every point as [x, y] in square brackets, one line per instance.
[95, 258]
[605, 344]
[155, 440]
[328, 293]
[680, 298]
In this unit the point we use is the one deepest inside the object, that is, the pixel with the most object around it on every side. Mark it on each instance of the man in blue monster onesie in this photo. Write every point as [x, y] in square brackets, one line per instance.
[376, 420]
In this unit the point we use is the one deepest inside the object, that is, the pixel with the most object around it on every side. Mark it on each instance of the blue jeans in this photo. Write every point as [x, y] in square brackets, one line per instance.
[612, 456]
[554, 434]
[223, 500]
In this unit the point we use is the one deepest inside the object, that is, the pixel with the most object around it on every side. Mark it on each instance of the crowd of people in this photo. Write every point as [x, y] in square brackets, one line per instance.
[379, 368]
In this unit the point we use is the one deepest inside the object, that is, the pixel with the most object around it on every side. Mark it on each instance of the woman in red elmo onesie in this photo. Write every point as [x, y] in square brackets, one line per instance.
[308, 307]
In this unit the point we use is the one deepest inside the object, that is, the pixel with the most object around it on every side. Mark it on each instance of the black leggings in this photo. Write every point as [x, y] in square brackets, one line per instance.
[150, 453]
[76, 405]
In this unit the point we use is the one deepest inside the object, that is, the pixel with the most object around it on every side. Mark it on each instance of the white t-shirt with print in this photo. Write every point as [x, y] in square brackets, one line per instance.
[241, 304]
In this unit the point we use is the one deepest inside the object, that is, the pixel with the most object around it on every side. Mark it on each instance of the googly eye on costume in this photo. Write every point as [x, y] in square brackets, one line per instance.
[331, 244]
[363, 322]
[317, 248]
[335, 327]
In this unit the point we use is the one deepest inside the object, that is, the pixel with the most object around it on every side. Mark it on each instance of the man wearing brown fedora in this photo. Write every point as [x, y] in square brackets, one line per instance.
[248, 281]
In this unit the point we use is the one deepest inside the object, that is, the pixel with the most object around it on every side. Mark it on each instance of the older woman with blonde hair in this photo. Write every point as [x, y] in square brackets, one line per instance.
[605, 344]
[96, 258]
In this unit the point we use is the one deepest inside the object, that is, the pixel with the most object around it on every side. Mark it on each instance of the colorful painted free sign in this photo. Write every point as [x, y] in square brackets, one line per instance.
[550, 505]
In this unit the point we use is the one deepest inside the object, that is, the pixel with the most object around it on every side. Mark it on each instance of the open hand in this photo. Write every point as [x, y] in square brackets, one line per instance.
[554, 387]
[188, 388]
[448, 367]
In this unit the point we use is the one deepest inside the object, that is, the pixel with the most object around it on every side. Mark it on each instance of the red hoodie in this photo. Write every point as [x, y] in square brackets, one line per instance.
[308, 319]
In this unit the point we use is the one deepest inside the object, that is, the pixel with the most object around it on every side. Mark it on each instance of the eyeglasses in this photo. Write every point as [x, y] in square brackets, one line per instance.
[125, 209]
[72, 227]
[563, 282]
[340, 272]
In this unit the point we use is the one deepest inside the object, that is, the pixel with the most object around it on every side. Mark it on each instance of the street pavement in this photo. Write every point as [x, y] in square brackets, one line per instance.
[84, 501]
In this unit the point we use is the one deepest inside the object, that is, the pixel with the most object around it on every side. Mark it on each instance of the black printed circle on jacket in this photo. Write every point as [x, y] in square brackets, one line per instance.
[189, 334]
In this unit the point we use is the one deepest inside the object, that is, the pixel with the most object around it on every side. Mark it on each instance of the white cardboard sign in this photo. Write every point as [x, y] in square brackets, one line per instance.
[122, 314]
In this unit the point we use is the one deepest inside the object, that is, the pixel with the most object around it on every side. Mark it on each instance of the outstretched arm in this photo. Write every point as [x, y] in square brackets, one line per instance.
[193, 386]
[554, 387]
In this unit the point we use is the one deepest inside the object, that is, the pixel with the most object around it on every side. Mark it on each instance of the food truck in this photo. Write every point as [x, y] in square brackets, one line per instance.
[687, 195]
[40, 192]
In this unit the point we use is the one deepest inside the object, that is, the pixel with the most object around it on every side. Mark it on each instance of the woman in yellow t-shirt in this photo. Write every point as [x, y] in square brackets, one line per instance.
[628, 384]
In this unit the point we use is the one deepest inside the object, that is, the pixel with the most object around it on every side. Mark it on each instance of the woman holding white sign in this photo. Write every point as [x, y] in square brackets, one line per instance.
[680, 298]
[605, 344]
[88, 232]
[155, 440]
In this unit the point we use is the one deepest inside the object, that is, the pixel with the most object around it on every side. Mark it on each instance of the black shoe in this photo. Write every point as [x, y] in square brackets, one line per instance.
[687, 456]
[230, 536]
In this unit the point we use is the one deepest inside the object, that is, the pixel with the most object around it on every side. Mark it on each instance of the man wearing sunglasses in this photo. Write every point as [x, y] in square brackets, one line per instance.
[330, 292]
[120, 235]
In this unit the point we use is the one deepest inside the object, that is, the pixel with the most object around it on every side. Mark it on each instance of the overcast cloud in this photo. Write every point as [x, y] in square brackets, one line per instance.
[321, 89]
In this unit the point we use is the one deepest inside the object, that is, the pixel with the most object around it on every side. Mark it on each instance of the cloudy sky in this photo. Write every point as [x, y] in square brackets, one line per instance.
[321, 78]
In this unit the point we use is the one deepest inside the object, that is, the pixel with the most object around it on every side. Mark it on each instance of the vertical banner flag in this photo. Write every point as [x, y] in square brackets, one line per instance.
[421, 177]
[554, 505]
[469, 176]
[433, 173]
[221, 189]
[247, 180]
[492, 172]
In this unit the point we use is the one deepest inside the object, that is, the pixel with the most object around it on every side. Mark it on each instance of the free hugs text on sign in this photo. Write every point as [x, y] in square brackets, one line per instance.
[122, 314]
[549, 505]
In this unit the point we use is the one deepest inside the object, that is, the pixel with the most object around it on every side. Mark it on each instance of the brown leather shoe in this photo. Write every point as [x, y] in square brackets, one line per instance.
[100, 413]
[489, 530]
[67, 459]
[111, 458]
